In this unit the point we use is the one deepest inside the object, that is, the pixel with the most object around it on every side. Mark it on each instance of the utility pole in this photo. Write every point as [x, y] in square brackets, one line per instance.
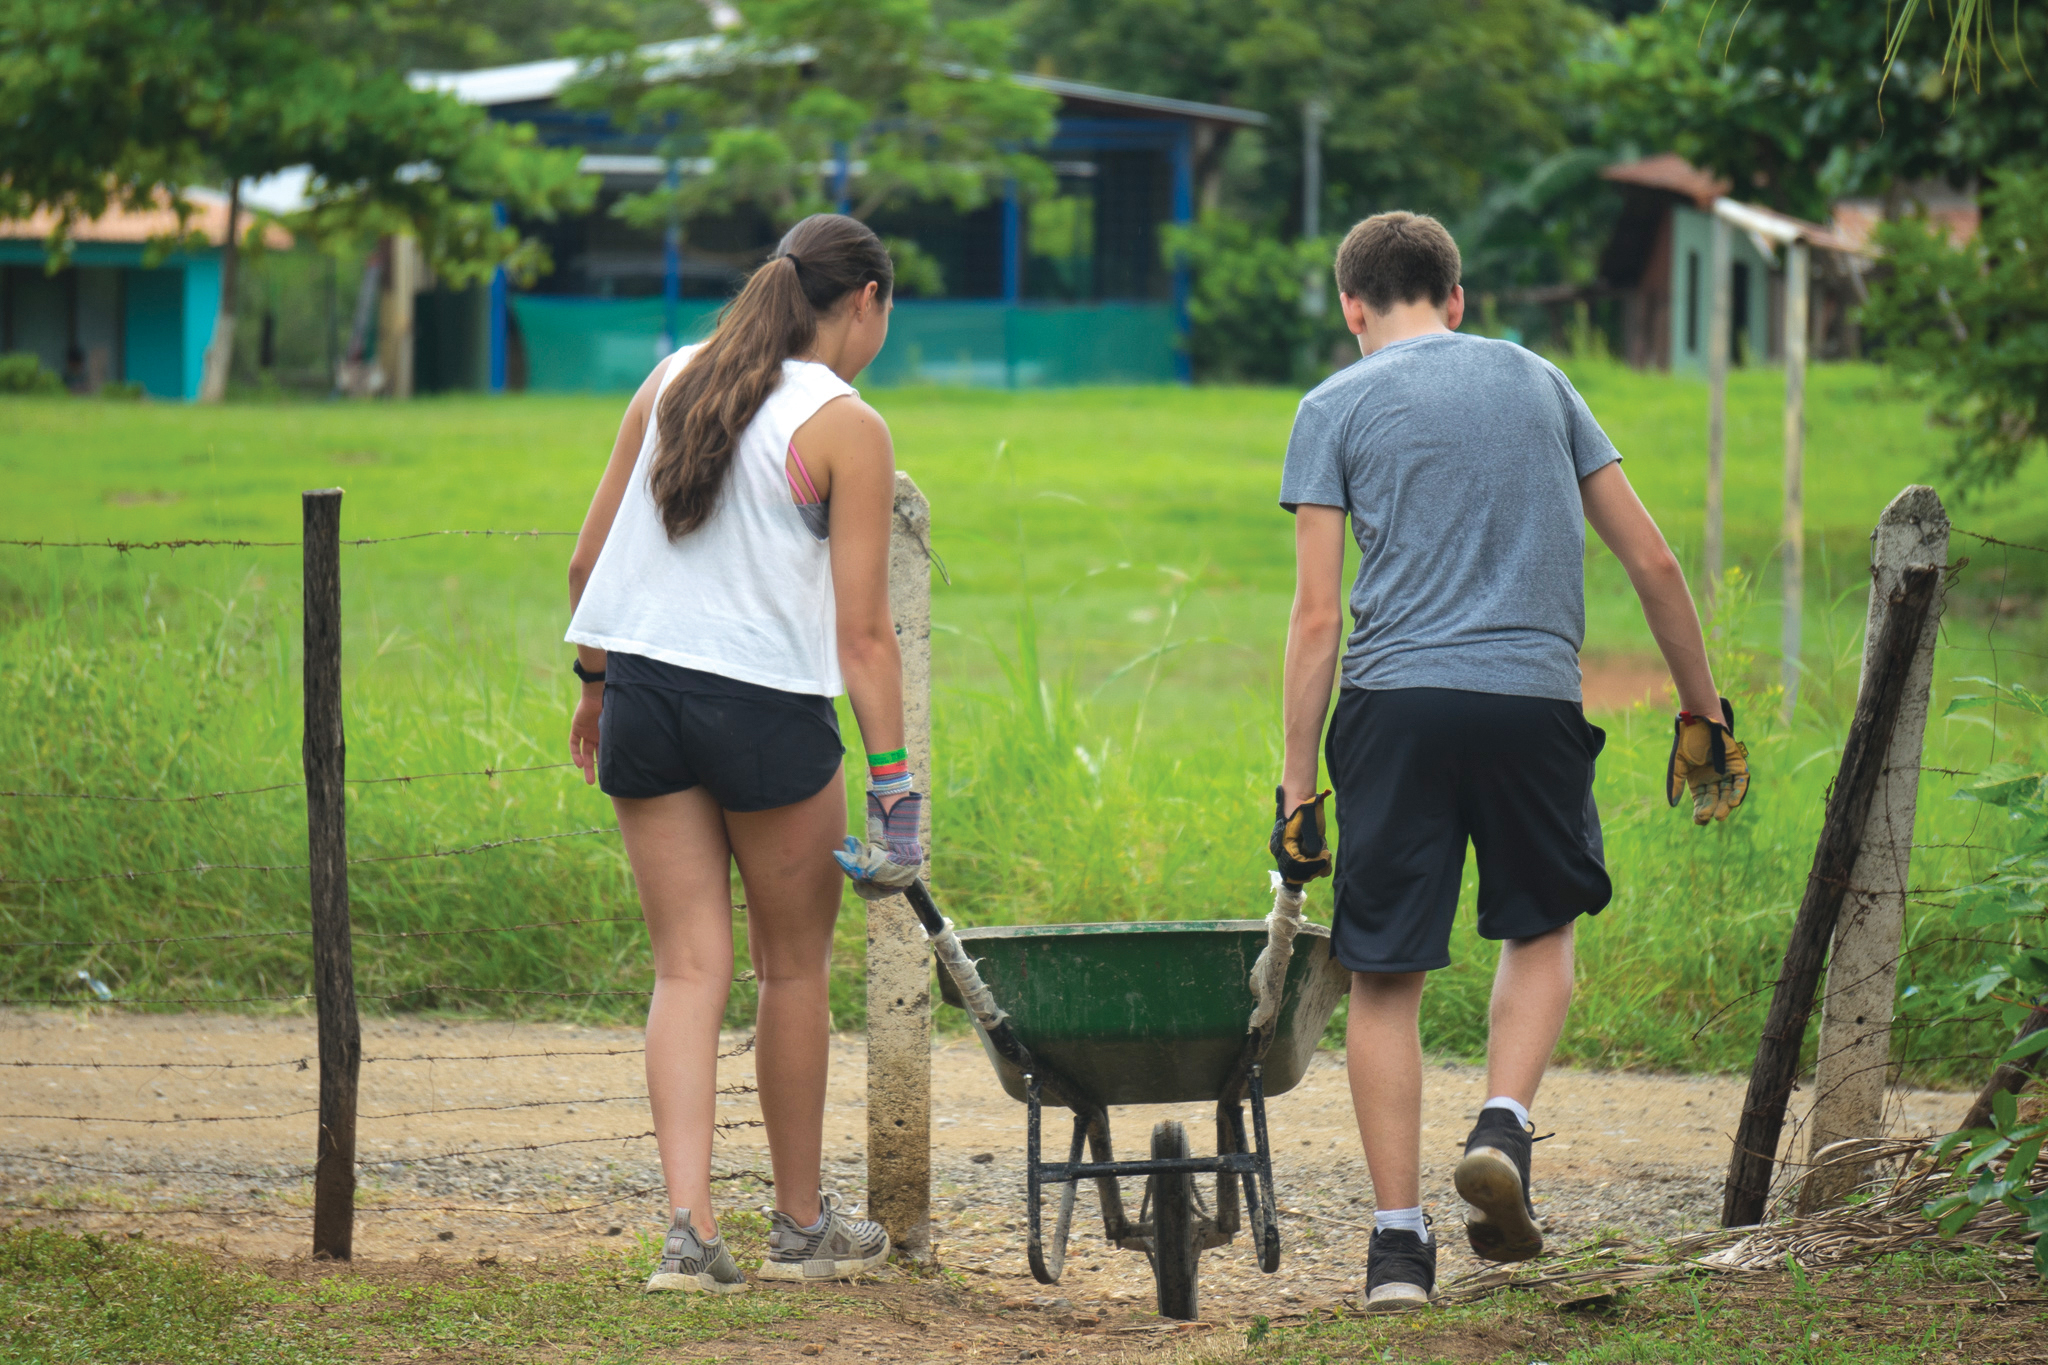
[1314, 114]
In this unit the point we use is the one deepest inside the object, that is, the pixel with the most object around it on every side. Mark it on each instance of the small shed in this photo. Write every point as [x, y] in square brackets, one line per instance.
[1658, 263]
[110, 315]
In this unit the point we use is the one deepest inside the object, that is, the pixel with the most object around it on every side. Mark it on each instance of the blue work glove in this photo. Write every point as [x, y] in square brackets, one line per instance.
[892, 856]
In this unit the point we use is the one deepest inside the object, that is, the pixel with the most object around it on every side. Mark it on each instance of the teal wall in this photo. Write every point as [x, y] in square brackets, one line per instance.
[166, 310]
[153, 307]
[1692, 234]
[611, 344]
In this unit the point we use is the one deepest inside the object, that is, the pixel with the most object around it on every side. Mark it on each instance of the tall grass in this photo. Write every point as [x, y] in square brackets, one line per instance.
[1106, 712]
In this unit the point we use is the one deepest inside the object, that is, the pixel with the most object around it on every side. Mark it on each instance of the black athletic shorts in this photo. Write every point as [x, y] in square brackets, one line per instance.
[666, 729]
[1420, 770]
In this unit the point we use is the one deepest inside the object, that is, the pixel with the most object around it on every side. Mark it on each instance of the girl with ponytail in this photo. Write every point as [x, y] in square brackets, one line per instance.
[730, 580]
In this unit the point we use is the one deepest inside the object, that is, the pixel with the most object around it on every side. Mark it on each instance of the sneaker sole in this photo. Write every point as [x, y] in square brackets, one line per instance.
[1500, 1228]
[1397, 1298]
[693, 1284]
[821, 1270]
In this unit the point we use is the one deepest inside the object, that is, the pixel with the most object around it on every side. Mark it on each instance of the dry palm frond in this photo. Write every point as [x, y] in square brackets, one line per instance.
[1888, 1217]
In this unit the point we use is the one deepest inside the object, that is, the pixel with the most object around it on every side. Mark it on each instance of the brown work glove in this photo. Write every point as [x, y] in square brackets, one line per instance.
[1300, 851]
[1706, 757]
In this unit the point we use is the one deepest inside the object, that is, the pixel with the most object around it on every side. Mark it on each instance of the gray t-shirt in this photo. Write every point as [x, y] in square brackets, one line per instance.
[1459, 460]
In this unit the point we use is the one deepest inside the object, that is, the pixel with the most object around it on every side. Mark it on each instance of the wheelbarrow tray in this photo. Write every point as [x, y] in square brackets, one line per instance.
[1151, 1012]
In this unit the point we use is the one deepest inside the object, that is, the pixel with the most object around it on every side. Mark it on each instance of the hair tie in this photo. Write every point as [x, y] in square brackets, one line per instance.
[796, 264]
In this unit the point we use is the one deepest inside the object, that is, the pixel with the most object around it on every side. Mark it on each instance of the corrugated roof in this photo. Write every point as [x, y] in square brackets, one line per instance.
[1672, 173]
[526, 82]
[209, 218]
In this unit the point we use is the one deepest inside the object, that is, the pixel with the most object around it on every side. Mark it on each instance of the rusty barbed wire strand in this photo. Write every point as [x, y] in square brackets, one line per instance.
[724, 1125]
[302, 933]
[279, 786]
[1994, 540]
[124, 546]
[201, 869]
[743, 978]
[305, 1063]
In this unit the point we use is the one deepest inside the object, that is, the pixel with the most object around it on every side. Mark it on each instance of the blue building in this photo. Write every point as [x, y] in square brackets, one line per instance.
[1065, 290]
[111, 315]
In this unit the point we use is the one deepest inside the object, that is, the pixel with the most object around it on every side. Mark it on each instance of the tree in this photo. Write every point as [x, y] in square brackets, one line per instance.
[804, 104]
[1428, 103]
[1971, 322]
[123, 100]
[1793, 100]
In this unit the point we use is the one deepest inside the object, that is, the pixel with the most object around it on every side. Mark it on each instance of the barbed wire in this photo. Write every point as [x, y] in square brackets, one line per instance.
[1994, 540]
[201, 869]
[303, 1063]
[724, 1125]
[742, 978]
[124, 546]
[302, 933]
[278, 786]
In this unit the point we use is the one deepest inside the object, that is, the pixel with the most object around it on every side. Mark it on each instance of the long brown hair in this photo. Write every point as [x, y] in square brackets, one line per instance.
[703, 413]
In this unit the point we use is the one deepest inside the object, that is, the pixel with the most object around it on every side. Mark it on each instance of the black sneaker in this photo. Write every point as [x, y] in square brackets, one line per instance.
[1493, 1179]
[1400, 1271]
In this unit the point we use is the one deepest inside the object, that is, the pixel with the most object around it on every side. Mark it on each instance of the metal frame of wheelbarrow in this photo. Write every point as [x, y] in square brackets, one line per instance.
[1251, 1165]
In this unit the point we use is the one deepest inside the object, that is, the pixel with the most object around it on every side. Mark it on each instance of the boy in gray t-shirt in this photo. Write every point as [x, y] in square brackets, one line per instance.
[1468, 469]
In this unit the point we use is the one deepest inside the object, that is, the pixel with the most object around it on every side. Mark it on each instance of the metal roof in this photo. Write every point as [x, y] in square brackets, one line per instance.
[526, 82]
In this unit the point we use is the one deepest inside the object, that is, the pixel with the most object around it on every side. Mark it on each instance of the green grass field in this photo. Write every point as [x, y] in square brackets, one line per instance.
[1107, 657]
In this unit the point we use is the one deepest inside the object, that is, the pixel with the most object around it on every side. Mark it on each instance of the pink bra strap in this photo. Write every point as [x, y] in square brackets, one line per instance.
[809, 491]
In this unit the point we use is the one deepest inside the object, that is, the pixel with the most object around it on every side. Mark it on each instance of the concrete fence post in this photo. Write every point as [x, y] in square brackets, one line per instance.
[1854, 1066]
[899, 969]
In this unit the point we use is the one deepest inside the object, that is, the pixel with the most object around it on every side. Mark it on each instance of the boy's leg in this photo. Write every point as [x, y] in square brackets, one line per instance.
[1532, 991]
[1383, 1055]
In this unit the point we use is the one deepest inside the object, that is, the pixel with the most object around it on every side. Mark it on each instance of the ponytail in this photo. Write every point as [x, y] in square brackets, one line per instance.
[709, 406]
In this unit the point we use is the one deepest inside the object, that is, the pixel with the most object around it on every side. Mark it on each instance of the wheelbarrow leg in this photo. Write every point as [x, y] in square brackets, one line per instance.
[1268, 1227]
[1108, 1193]
[1229, 1140]
[1046, 1268]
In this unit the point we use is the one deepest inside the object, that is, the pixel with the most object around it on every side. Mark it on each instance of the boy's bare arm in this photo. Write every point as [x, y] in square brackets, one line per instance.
[1624, 525]
[1315, 637]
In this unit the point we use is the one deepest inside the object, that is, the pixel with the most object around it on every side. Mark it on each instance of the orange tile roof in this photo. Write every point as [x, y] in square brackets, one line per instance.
[209, 218]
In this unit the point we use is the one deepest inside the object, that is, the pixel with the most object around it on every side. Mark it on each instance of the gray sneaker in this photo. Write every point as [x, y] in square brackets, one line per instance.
[838, 1247]
[694, 1266]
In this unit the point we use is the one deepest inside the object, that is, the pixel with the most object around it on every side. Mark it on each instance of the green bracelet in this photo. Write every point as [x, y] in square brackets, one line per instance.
[893, 756]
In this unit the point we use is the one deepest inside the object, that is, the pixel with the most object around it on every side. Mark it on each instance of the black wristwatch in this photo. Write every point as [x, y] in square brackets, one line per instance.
[585, 674]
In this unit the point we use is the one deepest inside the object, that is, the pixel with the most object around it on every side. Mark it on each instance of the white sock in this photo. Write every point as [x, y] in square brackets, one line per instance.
[1513, 1106]
[1405, 1220]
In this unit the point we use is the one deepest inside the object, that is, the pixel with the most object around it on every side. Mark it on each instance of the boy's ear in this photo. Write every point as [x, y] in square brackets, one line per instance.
[1454, 307]
[1354, 313]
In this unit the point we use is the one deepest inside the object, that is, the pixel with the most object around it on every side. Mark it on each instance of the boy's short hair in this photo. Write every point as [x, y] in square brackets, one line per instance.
[1395, 258]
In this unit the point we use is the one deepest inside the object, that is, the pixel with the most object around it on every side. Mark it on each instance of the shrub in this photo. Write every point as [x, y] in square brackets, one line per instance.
[1245, 309]
[21, 372]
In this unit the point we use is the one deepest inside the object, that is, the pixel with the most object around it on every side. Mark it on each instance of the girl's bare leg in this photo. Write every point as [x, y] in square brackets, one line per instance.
[793, 888]
[681, 864]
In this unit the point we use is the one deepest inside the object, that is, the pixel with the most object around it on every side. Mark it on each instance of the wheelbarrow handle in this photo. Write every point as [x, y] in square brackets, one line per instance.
[920, 897]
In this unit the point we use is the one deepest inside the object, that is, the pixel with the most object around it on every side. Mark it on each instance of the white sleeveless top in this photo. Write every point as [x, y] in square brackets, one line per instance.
[748, 594]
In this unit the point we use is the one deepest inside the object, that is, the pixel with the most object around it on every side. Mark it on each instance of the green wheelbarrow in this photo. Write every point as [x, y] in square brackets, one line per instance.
[1085, 1016]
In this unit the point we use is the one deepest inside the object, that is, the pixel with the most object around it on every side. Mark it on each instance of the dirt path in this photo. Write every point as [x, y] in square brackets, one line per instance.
[228, 1147]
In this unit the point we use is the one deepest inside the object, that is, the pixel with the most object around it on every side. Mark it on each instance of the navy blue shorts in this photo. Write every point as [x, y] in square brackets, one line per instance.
[666, 729]
[1421, 770]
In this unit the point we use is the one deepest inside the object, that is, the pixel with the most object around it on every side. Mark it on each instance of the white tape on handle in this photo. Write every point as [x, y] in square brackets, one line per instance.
[1269, 973]
[980, 1003]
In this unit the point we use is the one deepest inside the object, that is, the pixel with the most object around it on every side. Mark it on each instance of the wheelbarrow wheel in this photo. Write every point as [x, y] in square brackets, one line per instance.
[1176, 1253]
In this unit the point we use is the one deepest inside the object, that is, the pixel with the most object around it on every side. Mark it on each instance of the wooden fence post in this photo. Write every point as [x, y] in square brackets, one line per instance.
[899, 967]
[334, 981]
[1717, 403]
[1864, 759]
[1854, 1065]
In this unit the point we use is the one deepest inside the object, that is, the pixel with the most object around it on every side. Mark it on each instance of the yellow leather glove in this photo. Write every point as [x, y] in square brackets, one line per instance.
[1300, 851]
[1706, 757]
